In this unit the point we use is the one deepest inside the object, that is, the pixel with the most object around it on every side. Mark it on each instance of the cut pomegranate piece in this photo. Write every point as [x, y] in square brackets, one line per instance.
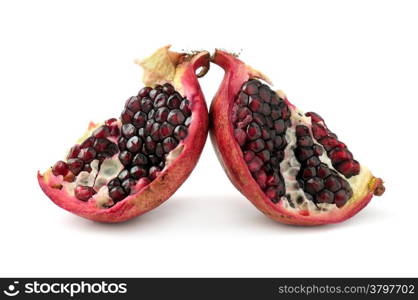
[128, 166]
[287, 163]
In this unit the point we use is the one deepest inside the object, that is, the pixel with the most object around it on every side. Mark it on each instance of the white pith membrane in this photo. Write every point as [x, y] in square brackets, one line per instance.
[102, 174]
[290, 167]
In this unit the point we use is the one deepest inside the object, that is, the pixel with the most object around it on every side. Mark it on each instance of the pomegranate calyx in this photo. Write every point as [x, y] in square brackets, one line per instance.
[163, 64]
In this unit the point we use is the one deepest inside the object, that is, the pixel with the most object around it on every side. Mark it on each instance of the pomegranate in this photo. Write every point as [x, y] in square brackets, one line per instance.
[127, 166]
[289, 164]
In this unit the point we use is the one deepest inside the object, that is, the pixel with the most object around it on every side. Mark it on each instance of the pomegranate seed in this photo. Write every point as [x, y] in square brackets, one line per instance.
[153, 172]
[139, 119]
[100, 144]
[75, 165]
[341, 198]
[319, 131]
[161, 114]
[151, 114]
[314, 117]
[128, 130]
[332, 183]
[270, 145]
[255, 103]
[240, 136]
[285, 112]
[275, 113]
[264, 155]
[180, 132]
[87, 154]
[137, 172]
[308, 173]
[314, 185]
[141, 133]
[251, 87]
[60, 168]
[174, 101]
[264, 92]
[168, 88]
[111, 149]
[273, 180]
[266, 109]
[133, 104]
[110, 122]
[126, 116]
[175, 117]
[154, 93]
[114, 182]
[128, 184]
[166, 130]
[312, 161]
[160, 100]
[122, 143]
[159, 151]
[242, 99]
[123, 175]
[243, 112]
[188, 121]
[257, 145]
[305, 141]
[148, 126]
[185, 107]
[83, 193]
[169, 144]
[323, 171]
[74, 151]
[117, 193]
[348, 168]
[125, 157]
[301, 130]
[253, 131]
[279, 126]
[144, 92]
[261, 178]
[140, 159]
[150, 144]
[303, 153]
[155, 132]
[255, 164]
[88, 142]
[317, 150]
[134, 144]
[248, 155]
[337, 155]
[153, 159]
[325, 196]
[271, 192]
[146, 105]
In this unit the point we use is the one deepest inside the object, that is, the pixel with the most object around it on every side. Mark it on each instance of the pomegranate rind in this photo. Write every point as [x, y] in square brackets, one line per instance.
[180, 167]
[230, 155]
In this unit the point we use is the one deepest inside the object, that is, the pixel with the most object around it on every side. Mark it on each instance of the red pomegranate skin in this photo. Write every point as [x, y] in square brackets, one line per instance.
[183, 76]
[230, 154]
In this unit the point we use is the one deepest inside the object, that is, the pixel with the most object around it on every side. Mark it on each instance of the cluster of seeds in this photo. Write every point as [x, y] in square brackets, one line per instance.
[97, 146]
[320, 183]
[342, 159]
[153, 124]
[260, 121]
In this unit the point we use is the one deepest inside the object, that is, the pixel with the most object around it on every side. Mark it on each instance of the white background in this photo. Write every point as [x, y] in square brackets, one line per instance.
[65, 63]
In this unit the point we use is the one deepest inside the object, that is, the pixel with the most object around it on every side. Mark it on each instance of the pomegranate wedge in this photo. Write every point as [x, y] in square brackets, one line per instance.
[129, 165]
[289, 164]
